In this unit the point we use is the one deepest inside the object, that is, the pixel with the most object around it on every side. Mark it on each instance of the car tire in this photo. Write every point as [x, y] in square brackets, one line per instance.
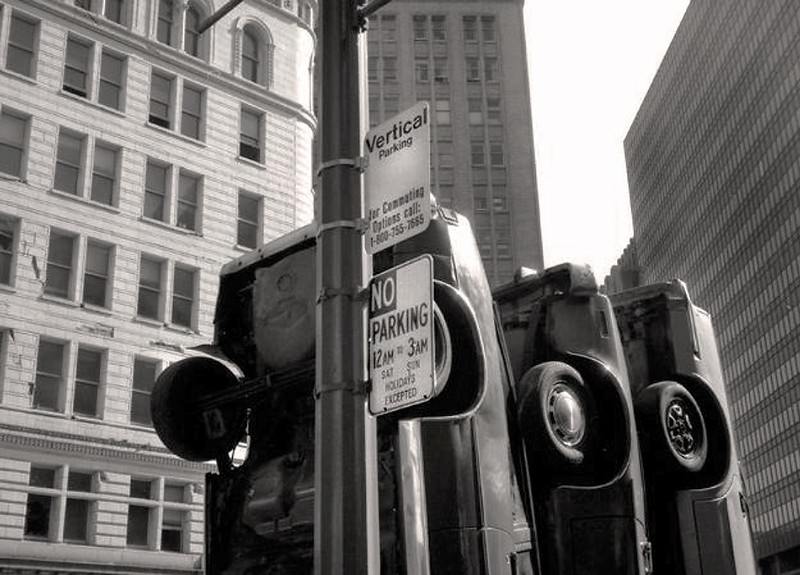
[672, 429]
[554, 413]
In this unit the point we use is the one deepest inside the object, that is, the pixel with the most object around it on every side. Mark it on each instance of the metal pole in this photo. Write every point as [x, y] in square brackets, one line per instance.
[217, 16]
[345, 523]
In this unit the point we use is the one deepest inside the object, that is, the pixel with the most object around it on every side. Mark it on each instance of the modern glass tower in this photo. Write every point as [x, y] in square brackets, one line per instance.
[714, 173]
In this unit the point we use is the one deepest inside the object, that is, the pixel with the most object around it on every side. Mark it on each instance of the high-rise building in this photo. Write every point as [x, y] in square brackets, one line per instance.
[625, 273]
[468, 60]
[714, 172]
[136, 157]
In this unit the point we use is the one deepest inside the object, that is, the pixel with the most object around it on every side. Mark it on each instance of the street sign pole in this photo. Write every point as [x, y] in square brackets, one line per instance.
[345, 482]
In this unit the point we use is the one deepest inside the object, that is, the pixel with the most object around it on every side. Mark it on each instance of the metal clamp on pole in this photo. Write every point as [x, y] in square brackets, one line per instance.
[360, 225]
[359, 295]
[357, 387]
[360, 163]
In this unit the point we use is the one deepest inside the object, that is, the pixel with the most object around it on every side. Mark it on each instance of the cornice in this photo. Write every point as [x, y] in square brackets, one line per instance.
[31, 438]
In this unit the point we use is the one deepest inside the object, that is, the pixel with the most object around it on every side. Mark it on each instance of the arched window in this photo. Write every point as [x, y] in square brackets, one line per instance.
[251, 55]
[191, 36]
[253, 51]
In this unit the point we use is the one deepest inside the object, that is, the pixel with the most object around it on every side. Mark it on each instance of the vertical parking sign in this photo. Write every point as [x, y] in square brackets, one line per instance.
[401, 354]
[398, 178]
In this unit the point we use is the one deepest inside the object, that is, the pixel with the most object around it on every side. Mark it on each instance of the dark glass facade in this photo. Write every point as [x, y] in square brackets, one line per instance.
[713, 161]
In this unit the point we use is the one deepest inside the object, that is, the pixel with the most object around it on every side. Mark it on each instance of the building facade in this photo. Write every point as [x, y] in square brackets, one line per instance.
[468, 60]
[625, 273]
[714, 172]
[136, 157]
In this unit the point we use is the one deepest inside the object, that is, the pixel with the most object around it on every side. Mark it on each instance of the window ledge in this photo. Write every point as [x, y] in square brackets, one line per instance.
[169, 226]
[12, 178]
[244, 249]
[18, 76]
[86, 201]
[181, 329]
[176, 134]
[9, 289]
[91, 103]
[250, 162]
[58, 300]
[149, 321]
[96, 309]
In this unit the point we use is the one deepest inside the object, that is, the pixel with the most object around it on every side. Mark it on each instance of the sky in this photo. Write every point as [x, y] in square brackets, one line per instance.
[590, 66]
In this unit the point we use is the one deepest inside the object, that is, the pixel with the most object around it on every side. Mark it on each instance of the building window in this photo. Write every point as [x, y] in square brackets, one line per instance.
[112, 69]
[443, 112]
[76, 67]
[104, 174]
[40, 503]
[372, 68]
[473, 70]
[22, 38]
[438, 30]
[476, 154]
[144, 376]
[420, 28]
[172, 525]
[191, 35]
[389, 69]
[60, 257]
[475, 111]
[251, 63]
[150, 287]
[440, 70]
[155, 191]
[391, 106]
[488, 29]
[188, 195]
[250, 135]
[49, 382]
[59, 503]
[183, 297]
[253, 54]
[68, 162]
[248, 221]
[490, 69]
[8, 228]
[388, 28]
[83, 4]
[192, 112]
[421, 70]
[160, 98]
[77, 509]
[139, 515]
[496, 154]
[13, 137]
[96, 274]
[166, 12]
[470, 29]
[87, 382]
[114, 11]
[493, 112]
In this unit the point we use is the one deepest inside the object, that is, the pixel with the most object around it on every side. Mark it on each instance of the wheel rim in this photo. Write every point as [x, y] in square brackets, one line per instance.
[566, 415]
[682, 434]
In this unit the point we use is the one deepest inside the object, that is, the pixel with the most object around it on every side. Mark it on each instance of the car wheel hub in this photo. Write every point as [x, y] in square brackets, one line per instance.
[680, 430]
[566, 415]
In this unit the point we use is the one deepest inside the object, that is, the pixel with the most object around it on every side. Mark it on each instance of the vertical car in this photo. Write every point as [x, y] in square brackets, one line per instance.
[575, 413]
[696, 507]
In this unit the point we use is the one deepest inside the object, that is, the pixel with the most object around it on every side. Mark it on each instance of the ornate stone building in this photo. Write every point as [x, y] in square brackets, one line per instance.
[136, 157]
